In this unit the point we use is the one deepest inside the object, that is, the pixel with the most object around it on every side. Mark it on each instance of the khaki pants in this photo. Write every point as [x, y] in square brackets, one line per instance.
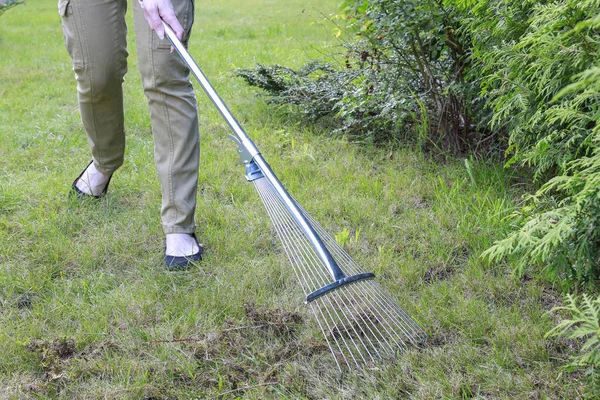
[95, 37]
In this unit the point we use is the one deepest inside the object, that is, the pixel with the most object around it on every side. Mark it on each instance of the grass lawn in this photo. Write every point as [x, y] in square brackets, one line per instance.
[87, 309]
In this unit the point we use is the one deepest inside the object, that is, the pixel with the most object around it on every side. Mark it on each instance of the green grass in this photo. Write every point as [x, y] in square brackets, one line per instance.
[88, 311]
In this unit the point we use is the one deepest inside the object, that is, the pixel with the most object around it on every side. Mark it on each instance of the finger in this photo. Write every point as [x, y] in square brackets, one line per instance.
[170, 18]
[155, 22]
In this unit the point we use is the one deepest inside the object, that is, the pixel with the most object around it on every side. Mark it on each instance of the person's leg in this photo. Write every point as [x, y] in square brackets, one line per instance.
[174, 118]
[95, 36]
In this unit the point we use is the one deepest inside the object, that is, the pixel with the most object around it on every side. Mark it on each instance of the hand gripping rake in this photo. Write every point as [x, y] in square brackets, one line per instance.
[359, 320]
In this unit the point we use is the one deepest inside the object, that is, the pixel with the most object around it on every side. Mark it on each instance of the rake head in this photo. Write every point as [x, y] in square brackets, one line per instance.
[360, 321]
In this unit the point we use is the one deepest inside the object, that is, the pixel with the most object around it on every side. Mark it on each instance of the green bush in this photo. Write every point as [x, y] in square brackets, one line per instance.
[547, 91]
[404, 77]
[584, 325]
[311, 88]
[525, 76]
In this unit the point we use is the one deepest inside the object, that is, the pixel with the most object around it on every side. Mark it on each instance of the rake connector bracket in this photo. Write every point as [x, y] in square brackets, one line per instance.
[253, 171]
[338, 284]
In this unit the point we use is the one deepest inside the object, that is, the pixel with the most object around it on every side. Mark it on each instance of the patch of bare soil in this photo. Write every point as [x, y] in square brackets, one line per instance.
[25, 301]
[251, 352]
[53, 354]
[439, 272]
[281, 322]
[440, 338]
[55, 357]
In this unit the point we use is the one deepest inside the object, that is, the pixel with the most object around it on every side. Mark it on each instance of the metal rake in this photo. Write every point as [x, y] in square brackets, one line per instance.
[360, 321]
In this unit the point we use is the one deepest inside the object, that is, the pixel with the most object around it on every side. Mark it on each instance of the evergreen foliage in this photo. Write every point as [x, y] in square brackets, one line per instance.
[551, 110]
[584, 325]
[526, 78]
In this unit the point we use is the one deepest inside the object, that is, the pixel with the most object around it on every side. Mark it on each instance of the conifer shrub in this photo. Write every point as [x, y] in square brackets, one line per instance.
[582, 324]
[546, 92]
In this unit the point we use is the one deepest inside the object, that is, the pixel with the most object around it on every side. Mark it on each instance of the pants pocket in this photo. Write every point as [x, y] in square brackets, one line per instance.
[64, 8]
[71, 33]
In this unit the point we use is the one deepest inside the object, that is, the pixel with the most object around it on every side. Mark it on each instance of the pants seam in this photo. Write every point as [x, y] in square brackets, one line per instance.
[88, 67]
[170, 193]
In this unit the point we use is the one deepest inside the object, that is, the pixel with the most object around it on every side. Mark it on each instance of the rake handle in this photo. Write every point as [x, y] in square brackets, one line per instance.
[335, 271]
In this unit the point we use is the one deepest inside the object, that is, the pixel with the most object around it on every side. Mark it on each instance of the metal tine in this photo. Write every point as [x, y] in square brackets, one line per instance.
[338, 331]
[316, 314]
[282, 220]
[339, 309]
[331, 243]
[379, 294]
[379, 298]
[389, 310]
[344, 348]
[378, 336]
[322, 274]
[378, 309]
[367, 321]
[387, 313]
[352, 322]
[390, 328]
[390, 314]
[384, 302]
[342, 257]
[279, 214]
[362, 349]
[379, 319]
[411, 328]
[271, 203]
[298, 247]
[406, 320]
[348, 302]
